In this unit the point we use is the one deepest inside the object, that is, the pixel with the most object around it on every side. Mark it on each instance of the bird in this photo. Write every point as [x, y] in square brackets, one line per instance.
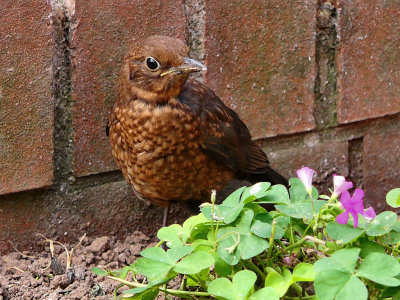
[171, 136]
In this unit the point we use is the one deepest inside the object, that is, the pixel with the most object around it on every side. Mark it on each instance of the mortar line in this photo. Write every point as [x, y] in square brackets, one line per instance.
[194, 12]
[62, 92]
[325, 88]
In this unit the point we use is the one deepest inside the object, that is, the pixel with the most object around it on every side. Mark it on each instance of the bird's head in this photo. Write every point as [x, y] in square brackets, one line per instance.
[156, 69]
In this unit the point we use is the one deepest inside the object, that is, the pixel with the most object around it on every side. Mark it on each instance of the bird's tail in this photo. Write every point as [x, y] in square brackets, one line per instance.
[270, 176]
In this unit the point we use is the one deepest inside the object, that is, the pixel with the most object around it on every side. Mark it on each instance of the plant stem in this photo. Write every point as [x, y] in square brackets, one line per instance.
[202, 282]
[116, 291]
[169, 291]
[216, 228]
[254, 268]
[277, 249]
[183, 283]
[134, 277]
[213, 196]
[260, 261]
[312, 205]
[228, 233]
[198, 281]
[160, 243]
[396, 248]
[282, 246]
[389, 248]
[126, 282]
[295, 245]
[314, 239]
[308, 227]
[304, 297]
[272, 239]
[291, 231]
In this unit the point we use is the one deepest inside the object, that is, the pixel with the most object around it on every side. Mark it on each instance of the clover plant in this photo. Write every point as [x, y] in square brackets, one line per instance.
[310, 246]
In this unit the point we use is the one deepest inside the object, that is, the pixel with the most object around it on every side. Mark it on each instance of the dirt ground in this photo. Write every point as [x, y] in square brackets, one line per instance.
[25, 275]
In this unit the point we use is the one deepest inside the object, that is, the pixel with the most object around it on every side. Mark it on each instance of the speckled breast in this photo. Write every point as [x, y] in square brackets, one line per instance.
[158, 148]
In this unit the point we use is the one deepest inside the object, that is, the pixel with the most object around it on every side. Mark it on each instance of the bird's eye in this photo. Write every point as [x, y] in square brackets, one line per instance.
[152, 64]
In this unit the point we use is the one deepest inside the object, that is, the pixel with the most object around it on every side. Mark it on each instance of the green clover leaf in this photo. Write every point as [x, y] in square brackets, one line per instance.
[393, 198]
[238, 289]
[249, 244]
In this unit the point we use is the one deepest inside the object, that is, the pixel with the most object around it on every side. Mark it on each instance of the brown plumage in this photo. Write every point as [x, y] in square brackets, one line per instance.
[171, 136]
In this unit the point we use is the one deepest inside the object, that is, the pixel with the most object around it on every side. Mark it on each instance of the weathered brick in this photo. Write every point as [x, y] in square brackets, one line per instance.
[261, 61]
[326, 158]
[381, 166]
[369, 59]
[107, 209]
[26, 110]
[101, 38]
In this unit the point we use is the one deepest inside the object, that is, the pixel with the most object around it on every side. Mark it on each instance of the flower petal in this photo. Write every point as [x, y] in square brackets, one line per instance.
[369, 213]
[343, 218]
[354, 214]
[358, 195]
[340, 184]
[345, 200]
[305, 174]
[357, 202]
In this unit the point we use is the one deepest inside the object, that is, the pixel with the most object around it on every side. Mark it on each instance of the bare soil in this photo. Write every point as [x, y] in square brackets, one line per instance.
[25, 275]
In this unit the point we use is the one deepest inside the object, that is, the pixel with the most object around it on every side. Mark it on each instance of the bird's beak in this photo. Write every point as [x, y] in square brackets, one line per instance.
[189, 66]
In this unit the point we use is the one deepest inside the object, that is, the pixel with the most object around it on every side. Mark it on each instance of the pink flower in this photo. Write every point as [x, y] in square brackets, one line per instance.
[340, 185]
[291, 260]
[288, 261]
[369, 213]
[354, 205]
[305, 174]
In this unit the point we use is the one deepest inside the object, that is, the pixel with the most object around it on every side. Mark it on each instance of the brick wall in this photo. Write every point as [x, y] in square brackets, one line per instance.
[317, 82]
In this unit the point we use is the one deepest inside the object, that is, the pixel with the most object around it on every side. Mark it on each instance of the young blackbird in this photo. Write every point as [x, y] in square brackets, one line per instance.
[171, 136]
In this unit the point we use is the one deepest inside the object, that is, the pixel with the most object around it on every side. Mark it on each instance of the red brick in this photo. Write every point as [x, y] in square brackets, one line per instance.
[102, 37]
[108, 209]
[325, 157]
[369, 59]
[261, 61]
[381, 163]
[26, 110]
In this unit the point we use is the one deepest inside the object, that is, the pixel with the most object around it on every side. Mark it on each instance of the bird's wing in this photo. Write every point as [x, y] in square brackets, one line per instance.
[225, 136]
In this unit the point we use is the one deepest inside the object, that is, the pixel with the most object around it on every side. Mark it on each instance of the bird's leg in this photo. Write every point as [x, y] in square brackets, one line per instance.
[164, 223]
[165, 218]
